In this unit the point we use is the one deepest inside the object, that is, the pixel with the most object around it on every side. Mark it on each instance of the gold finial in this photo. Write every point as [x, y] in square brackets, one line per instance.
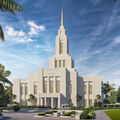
[62, 17]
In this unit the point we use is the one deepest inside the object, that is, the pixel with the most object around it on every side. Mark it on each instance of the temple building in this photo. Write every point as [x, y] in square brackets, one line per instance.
[59, 84]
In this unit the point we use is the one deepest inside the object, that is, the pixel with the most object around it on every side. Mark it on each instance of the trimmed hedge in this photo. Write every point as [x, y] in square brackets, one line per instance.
[15, 108]
[42, 114]
[48, 112]
[69, 113]
[51, 112]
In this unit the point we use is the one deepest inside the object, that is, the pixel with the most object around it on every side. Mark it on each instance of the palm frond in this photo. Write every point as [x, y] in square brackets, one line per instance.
[5, 80]
[1, 34]
[9, 6]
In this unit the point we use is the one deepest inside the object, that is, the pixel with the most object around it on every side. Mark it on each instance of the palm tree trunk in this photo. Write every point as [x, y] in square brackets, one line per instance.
[1, 34]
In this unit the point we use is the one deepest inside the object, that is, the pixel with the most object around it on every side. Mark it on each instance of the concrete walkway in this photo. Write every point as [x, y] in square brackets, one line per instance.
[100, 115]
[30, 116]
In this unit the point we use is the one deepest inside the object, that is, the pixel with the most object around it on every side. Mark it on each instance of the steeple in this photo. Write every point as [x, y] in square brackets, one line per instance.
[62, 17]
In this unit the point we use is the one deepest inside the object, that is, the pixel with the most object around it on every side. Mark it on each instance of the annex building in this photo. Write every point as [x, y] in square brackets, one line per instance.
[60, 83]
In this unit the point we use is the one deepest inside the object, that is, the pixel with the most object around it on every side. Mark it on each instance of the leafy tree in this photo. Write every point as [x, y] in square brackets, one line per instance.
[107, 89]
[8, 6]
[4, 74]
[113, 97]
[118, 95]
[78, 98]
[32, 99]
[97, 102]
[98, 97]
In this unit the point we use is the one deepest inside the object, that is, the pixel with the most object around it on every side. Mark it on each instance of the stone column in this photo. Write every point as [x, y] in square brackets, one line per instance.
[52, 101]
[41, 101]
[58, 102]
[24, 96]
[45, 101]
[87, 93]
[48, 85]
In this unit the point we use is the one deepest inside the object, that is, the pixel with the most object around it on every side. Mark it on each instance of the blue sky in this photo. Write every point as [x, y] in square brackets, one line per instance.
[93, 30]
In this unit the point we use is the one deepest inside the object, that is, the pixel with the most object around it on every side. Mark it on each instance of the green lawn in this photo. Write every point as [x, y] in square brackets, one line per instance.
[113, 114]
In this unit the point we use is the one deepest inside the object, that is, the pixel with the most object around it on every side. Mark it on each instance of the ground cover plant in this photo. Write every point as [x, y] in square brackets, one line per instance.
[113, 114]
[87, 114]
[69, 113]
[48, 112]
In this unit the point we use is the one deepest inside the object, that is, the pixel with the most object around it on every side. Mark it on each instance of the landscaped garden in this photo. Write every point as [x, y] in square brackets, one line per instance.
[113, 114]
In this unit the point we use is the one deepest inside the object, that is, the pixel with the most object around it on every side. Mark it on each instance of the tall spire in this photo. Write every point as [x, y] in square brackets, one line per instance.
[62, 17]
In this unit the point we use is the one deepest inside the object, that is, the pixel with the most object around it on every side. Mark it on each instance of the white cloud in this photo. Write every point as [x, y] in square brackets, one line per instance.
[34, 28]
[95, 2]
[17, 36]
[116, 72]
[23, 40]
[117, 40]
[11, 32]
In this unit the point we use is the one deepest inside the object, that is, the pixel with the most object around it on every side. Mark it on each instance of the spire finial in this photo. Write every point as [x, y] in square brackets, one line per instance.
[62, 17]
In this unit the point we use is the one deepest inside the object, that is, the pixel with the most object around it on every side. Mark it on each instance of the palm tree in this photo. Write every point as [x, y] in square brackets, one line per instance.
[78, 98]
[32, 99]
[8, 91]
[8, 6]
[4, 74]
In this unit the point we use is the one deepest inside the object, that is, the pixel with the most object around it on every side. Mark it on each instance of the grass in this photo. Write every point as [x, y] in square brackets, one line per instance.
[113, 114]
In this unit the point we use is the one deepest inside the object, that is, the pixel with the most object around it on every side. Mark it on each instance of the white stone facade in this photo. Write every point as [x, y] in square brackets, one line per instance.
[60, 83]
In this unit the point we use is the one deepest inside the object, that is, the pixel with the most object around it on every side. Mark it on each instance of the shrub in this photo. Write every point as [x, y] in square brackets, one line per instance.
[69, 113]
[87, 114]
[42, 114]
[0, 113]
[15, 108]
[84, 114]
[50, 112]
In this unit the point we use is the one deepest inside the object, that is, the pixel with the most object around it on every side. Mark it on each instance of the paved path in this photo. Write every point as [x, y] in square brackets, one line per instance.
[30, 116]
[100, 115]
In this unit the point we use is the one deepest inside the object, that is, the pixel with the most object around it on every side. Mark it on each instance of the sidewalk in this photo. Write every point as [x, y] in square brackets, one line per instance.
[100, 115]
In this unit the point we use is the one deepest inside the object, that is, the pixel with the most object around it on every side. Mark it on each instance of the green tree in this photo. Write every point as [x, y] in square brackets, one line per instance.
[78, 98]
[8, 6]
[107, 89]
[113, 97]
[97, 102]
[4, 74]
[32, 99]
[118, 95]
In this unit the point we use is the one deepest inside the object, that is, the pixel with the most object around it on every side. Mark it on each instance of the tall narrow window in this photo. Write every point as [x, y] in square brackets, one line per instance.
[61, 46]
[63, 63]
[59, 63]
[85, 89]
[35, 88]
[21, 89]
[26, 89]
[57, 86]
[51, 86]
[90, 102]
[70, 88]
[44, 86]
[90, 89]
[55, 63]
